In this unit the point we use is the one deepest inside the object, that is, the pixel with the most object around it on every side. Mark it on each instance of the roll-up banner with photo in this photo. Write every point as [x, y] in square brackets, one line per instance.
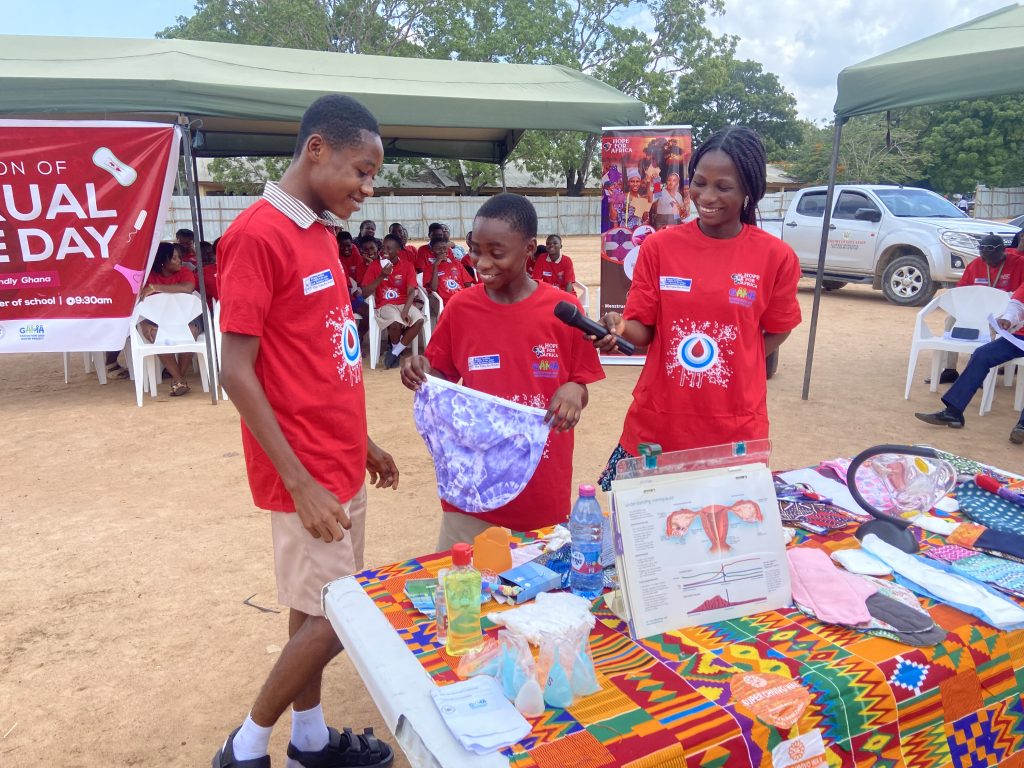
[82, 207]
[645, 188]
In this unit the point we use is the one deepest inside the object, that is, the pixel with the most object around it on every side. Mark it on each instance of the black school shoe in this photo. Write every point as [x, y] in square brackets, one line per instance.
[225, 757]
[948, 376]
[946, 417]
[346, 750]
[1017, 434]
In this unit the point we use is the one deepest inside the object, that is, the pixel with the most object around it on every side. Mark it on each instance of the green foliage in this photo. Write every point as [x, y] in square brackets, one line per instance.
[245, 175]
[598, 37]
[864, 155]
[973, 142]
[721, 90]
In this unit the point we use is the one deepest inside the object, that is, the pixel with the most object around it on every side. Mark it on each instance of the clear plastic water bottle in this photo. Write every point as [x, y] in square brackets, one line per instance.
[586, 527]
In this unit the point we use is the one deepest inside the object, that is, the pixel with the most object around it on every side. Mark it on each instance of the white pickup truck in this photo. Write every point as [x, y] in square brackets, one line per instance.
[908, 242]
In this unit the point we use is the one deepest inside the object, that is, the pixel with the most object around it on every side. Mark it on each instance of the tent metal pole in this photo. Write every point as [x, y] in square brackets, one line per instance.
[202, 237]
[502, 167]
[826, 227]
[193, 201]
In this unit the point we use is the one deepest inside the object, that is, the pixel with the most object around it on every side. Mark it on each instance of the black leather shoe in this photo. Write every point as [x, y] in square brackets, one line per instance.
[225, 757]
[1017, 434]
[948, 376]
[945, 417]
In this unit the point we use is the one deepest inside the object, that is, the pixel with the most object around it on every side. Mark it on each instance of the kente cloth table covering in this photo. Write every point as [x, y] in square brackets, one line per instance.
[667, 700]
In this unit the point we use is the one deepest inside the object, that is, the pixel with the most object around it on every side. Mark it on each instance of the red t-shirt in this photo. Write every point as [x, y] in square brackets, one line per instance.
[558, 275]
[393, 289]
[452, 278]
[283, 284]
[355, 266]
[210, 281]
[537, 353]
[425, 258]
[1010, 272]
[467, 262]
[709, 300]
[183, 275]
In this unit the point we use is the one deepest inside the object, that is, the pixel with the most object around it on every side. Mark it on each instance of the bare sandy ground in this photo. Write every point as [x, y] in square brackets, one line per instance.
[128, 540]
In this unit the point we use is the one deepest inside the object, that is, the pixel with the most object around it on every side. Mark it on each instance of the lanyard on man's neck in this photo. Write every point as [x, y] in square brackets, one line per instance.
[999, 274]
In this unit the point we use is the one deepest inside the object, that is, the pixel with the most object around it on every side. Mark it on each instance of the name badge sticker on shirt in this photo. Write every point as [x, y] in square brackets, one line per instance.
[318, 281]
[484, 362]
[682, 284]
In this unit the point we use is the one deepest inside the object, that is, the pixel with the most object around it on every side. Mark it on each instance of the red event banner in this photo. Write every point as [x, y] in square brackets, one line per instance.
[82, 207]
[645, 188]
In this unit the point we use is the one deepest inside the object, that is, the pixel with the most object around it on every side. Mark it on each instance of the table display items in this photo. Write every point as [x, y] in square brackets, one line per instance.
[462, 601]
[586, 527]
[915, 477]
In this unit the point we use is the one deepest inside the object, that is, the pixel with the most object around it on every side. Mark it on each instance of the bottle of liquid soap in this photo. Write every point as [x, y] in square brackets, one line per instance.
[462, 600]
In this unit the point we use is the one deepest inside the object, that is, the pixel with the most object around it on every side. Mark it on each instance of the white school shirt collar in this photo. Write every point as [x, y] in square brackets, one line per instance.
[293, 208]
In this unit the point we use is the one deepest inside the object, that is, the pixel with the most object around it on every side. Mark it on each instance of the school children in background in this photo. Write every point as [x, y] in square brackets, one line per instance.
[208, 253]
[710, 299]
[392, 281]
[424, 256]
[186, 240]
[554, 267]
[540, 252]
[533, 358]
[367, 227]
[169, 275]
[467, 260]
[447, 276]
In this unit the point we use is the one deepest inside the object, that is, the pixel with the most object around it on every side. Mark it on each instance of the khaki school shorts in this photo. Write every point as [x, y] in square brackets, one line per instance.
[392, 313]
[303, 565]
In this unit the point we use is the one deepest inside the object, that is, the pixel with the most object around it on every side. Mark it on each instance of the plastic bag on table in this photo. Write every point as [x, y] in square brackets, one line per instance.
[583, 678]
[486, 660]
[555, 666]
[516, 663]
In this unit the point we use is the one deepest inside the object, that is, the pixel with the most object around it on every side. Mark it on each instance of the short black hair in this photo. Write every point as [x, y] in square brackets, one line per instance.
[361, 241]
[185, 233]
[389, 236]
[744, 147]
[1015, 243]
[514, 209]
[344, 235]
[436, 240]
[340, 119]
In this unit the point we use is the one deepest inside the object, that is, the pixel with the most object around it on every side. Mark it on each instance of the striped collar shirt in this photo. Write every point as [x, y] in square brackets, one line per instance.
[293, 208]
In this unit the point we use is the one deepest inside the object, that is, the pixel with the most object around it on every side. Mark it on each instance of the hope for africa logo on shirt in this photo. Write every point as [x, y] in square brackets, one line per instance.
[345, 337]
[698, 352]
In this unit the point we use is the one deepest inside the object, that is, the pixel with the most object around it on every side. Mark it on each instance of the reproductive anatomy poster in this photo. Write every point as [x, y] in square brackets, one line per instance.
[694, 548]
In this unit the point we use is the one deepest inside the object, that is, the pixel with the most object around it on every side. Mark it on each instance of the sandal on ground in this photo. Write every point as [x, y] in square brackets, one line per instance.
[346, 750]
[117, 372]
[180, 388]
[225, 757]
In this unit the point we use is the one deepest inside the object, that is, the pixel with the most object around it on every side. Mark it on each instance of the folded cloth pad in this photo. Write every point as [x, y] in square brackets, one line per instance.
[832, 594]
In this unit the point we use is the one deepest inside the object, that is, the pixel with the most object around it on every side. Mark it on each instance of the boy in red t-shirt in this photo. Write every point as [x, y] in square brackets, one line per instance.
[533, 359]
[292, 365]
[554, 267]
[392, 282]
[447, 276]
[424, 255]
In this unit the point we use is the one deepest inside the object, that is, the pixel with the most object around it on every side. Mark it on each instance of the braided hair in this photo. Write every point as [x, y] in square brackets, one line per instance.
[746, 150]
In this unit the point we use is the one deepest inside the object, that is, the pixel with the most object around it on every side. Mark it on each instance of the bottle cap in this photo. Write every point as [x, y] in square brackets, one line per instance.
[461, 554]
[588, 490]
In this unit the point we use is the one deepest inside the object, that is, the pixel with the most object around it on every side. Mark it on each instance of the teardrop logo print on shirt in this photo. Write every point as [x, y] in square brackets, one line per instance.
[350, 343]
[697, 352]
[390, 294]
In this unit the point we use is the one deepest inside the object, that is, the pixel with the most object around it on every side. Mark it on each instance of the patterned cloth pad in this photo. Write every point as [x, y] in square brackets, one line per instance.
[990, 510]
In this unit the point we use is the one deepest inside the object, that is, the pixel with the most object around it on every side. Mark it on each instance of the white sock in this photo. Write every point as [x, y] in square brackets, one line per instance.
[309, 731]
[251, 741]
[397, 348]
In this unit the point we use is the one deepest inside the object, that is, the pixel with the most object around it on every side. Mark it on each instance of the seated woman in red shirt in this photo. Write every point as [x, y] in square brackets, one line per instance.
[168, 276]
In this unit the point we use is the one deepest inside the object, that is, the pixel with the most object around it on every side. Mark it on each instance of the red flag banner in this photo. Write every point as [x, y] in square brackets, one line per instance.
[645, 188]
[82, 207]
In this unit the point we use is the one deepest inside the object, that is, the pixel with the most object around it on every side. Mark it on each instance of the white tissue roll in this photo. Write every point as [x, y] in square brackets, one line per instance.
[124, 173]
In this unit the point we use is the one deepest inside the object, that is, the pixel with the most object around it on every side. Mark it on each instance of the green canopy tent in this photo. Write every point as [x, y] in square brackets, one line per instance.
[982, 58]
[243, 100]
[248, 100]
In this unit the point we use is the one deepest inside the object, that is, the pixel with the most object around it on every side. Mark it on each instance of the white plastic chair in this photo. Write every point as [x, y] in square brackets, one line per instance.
[376, 334]
[988, 390]
[217, 341]
[970, 306]
[171, 312]
[97, 360]
[583, 294]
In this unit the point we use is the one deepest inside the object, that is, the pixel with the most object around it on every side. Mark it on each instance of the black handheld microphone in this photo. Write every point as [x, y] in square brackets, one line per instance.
[570, 315]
